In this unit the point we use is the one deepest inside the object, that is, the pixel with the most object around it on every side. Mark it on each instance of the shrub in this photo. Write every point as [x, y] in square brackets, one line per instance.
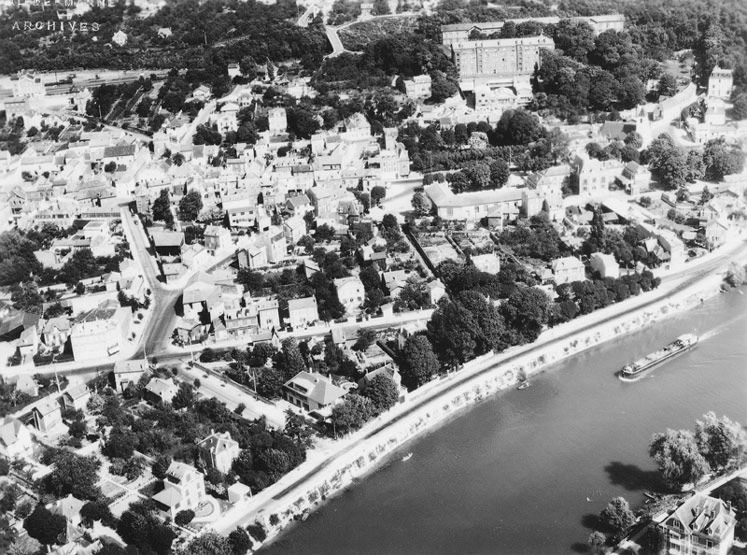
[183, 518]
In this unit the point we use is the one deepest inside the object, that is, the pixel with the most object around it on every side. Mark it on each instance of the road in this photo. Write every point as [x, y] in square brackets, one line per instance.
[333, 32]
[232, 394]
[157, 336]
[345, 447]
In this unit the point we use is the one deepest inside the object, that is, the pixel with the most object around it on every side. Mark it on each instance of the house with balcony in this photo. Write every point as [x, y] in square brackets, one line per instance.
[702, 525]
[311, 391]
[183, 489]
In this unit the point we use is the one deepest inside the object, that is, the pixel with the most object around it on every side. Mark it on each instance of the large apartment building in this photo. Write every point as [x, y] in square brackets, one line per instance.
[497, 62]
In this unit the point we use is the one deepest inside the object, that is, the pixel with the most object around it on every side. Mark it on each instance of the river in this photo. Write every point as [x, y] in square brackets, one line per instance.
[527, 471]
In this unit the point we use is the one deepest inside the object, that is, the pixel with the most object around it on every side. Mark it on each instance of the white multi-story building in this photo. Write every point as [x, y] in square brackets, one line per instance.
[595, 177]
[278, 120]
[502, 204]
[497, 62]
[418, 87]
[302, 312]
[183, 489]
[567, 270]
[720, 83]
[219, 451]
[702, 525]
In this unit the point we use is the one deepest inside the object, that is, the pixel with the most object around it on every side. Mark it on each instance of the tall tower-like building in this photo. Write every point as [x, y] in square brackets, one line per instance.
[720, 83]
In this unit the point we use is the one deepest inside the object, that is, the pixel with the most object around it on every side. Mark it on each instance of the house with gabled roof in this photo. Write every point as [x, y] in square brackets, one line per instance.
[219, 450]
[311, 391]
[159, 391]
[76, 397]
[47, 414]
[702, 524]
[15, 438]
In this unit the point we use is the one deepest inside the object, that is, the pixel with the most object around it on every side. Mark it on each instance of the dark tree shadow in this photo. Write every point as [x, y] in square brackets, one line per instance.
[580, 547]
[591, 521]
[632, 477]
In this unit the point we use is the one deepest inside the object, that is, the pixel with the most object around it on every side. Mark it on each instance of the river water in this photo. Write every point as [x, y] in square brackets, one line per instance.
[513, 474]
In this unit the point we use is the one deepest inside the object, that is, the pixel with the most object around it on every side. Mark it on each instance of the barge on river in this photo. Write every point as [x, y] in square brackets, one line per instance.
[636, 370]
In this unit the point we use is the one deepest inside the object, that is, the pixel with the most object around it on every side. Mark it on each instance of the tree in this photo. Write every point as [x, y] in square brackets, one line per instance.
[478, 175]
[575, 39]
[161, 209]
[289, 360]
[667, 84]
[499, 172]
[274, 462]
[352, 413]
[720, 159]
[190, 206]
[139, 526]
[77, 428]
[297, 429]
[442, 87]
[185, 396]
[518, 127]
[208, 543]
[239, 541]
[720, 441]
[617, 516]
[452, 332]
[490, 331]
[46, 527]
[526, 312]
[739, 107]
[73, 474]
[96, 510]
[421, 204]
[26, 297]
[184, 517]
[418, 362]
[380, 7]
[677, 456]
[377, 194]
[324, 232]
[596, 542]
[120, 444]
[382, 392]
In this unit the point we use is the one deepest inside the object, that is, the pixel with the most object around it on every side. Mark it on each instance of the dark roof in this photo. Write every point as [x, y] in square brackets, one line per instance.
[121, 150]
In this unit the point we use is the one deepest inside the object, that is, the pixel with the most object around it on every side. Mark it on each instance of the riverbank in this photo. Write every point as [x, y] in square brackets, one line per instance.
[432, 405]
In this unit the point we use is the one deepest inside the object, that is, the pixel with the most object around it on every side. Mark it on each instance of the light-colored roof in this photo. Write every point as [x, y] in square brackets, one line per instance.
[316, 387]
[705, 515]
[443, 196]
[9, 429]
[130, 366]
[47, 406]
[159, 386]
[77, 391]
[302, 304]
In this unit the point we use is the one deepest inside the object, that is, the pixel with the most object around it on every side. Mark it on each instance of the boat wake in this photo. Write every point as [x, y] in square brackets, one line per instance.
[710, 334]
